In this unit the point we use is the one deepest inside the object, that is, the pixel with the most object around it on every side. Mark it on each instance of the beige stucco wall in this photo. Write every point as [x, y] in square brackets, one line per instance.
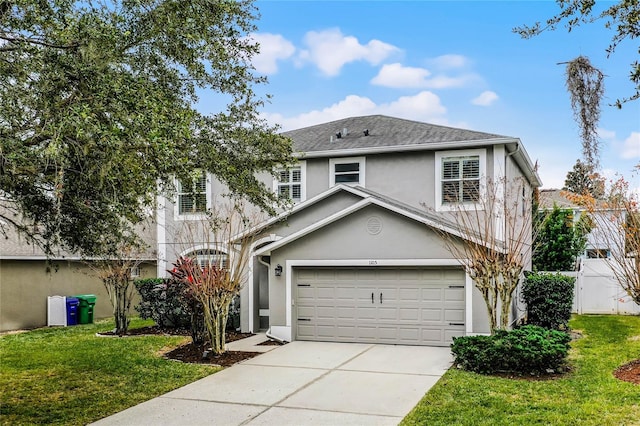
[26, 284]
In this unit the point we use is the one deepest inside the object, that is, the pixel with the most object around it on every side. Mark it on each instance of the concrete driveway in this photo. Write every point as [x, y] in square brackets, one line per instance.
[302, 383]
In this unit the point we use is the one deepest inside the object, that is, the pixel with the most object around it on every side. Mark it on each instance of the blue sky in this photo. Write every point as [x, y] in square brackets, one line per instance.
[445, 62]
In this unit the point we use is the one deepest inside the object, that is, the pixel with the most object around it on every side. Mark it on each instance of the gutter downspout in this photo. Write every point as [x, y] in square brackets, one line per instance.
[271, 336]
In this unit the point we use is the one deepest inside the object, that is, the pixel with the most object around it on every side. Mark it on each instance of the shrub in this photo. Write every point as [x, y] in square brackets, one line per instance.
[164, 301]
[549, 298]
[559, 240]
[526, 350]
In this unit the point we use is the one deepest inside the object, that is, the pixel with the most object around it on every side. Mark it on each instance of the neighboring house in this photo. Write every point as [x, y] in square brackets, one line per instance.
[597, 291]
[27, 278]
[357, 259]
[598, 246]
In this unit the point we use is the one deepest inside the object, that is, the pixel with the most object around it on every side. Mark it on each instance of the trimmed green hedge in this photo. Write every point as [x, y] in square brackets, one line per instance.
[549, 298]
[526, 350]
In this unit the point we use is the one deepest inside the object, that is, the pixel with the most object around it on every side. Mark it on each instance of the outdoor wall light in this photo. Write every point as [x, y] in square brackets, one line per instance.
[278, 270]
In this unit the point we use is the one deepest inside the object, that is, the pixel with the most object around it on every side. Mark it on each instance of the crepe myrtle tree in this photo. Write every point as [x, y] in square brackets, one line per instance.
[492, 240]
[116, 274]
[215, 276]
[98, 114]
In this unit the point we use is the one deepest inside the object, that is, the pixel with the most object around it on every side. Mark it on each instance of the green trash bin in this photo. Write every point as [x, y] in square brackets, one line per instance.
[85, 308]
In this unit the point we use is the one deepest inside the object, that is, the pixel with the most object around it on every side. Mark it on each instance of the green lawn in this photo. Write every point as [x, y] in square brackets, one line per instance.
[590, 395]
[71, 376]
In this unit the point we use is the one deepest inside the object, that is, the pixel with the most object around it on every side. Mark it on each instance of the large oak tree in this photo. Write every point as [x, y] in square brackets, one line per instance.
[97, 113]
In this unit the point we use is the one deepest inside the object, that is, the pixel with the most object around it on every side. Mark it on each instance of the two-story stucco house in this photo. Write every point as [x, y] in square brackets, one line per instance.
[357, 259]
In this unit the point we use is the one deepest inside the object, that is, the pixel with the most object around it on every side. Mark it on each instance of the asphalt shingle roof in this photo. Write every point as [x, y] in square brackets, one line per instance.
[383, 131]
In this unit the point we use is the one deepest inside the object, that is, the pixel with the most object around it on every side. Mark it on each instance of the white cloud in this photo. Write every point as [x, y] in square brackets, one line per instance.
[606, 134]
[330, 50]
[628, 149]
[486, 98]
[631, 146]
[446, 82]
[273, 47]
[425, 106]
[398, 76]
[450, 61]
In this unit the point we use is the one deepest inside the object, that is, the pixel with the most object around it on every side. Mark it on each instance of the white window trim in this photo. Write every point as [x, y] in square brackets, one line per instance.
[481, 154]
[334, 161]
[303, 181]
[192, 216]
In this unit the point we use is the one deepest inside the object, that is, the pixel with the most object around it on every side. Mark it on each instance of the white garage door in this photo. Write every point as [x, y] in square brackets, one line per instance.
[410, 306]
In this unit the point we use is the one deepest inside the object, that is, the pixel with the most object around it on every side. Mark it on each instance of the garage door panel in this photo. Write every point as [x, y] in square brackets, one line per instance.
[388, 334]
[306, 331]
[325, 330]
[450, 334]
[434, 314]
[409, 294]
[366, 274]
[432, 294]
[345, 274]
[345, 293]
[455, 315]
[364, 293]
[325, 312]
[409, 274]
[327, 293]
[408, 314]
[306, 274]
[411, 335]
[306, 293]
[325, 274]
[306, 311]
[346, 331]
[417, 305]
[368, 313]
[387, 313]
[431, 335]
[453, 294]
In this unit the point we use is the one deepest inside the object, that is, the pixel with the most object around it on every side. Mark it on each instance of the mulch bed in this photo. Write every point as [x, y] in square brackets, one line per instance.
[629, 372]
[194, 353]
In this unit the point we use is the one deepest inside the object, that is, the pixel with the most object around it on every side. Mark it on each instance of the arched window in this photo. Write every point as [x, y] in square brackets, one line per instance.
[210, 257]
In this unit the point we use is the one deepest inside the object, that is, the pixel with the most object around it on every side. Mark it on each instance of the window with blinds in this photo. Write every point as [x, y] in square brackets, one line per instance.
[290, 184]
[192, 196]
[460, 179]
[208, 258]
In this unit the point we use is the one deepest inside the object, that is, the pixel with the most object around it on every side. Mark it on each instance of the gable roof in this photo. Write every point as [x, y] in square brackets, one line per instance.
[389, 134]
[383, 132]
[564, 199]
[368, 198]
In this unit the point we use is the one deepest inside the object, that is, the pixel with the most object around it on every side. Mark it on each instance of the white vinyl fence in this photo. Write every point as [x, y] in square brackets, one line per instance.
[598, 292]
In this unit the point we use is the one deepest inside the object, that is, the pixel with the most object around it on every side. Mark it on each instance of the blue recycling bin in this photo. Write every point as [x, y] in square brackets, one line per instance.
[72, 310]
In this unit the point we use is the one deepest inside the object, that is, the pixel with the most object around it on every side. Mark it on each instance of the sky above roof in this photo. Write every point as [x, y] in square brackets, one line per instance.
[455, 63]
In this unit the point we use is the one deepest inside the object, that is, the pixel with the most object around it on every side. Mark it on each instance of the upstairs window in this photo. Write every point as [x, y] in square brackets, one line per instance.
[460, 179]
[290, 183]
[347, 171]
[192, 195]
[598, 253]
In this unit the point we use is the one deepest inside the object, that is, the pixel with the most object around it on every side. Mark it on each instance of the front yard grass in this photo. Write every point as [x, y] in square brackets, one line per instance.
[70, 376]
[589, 395]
